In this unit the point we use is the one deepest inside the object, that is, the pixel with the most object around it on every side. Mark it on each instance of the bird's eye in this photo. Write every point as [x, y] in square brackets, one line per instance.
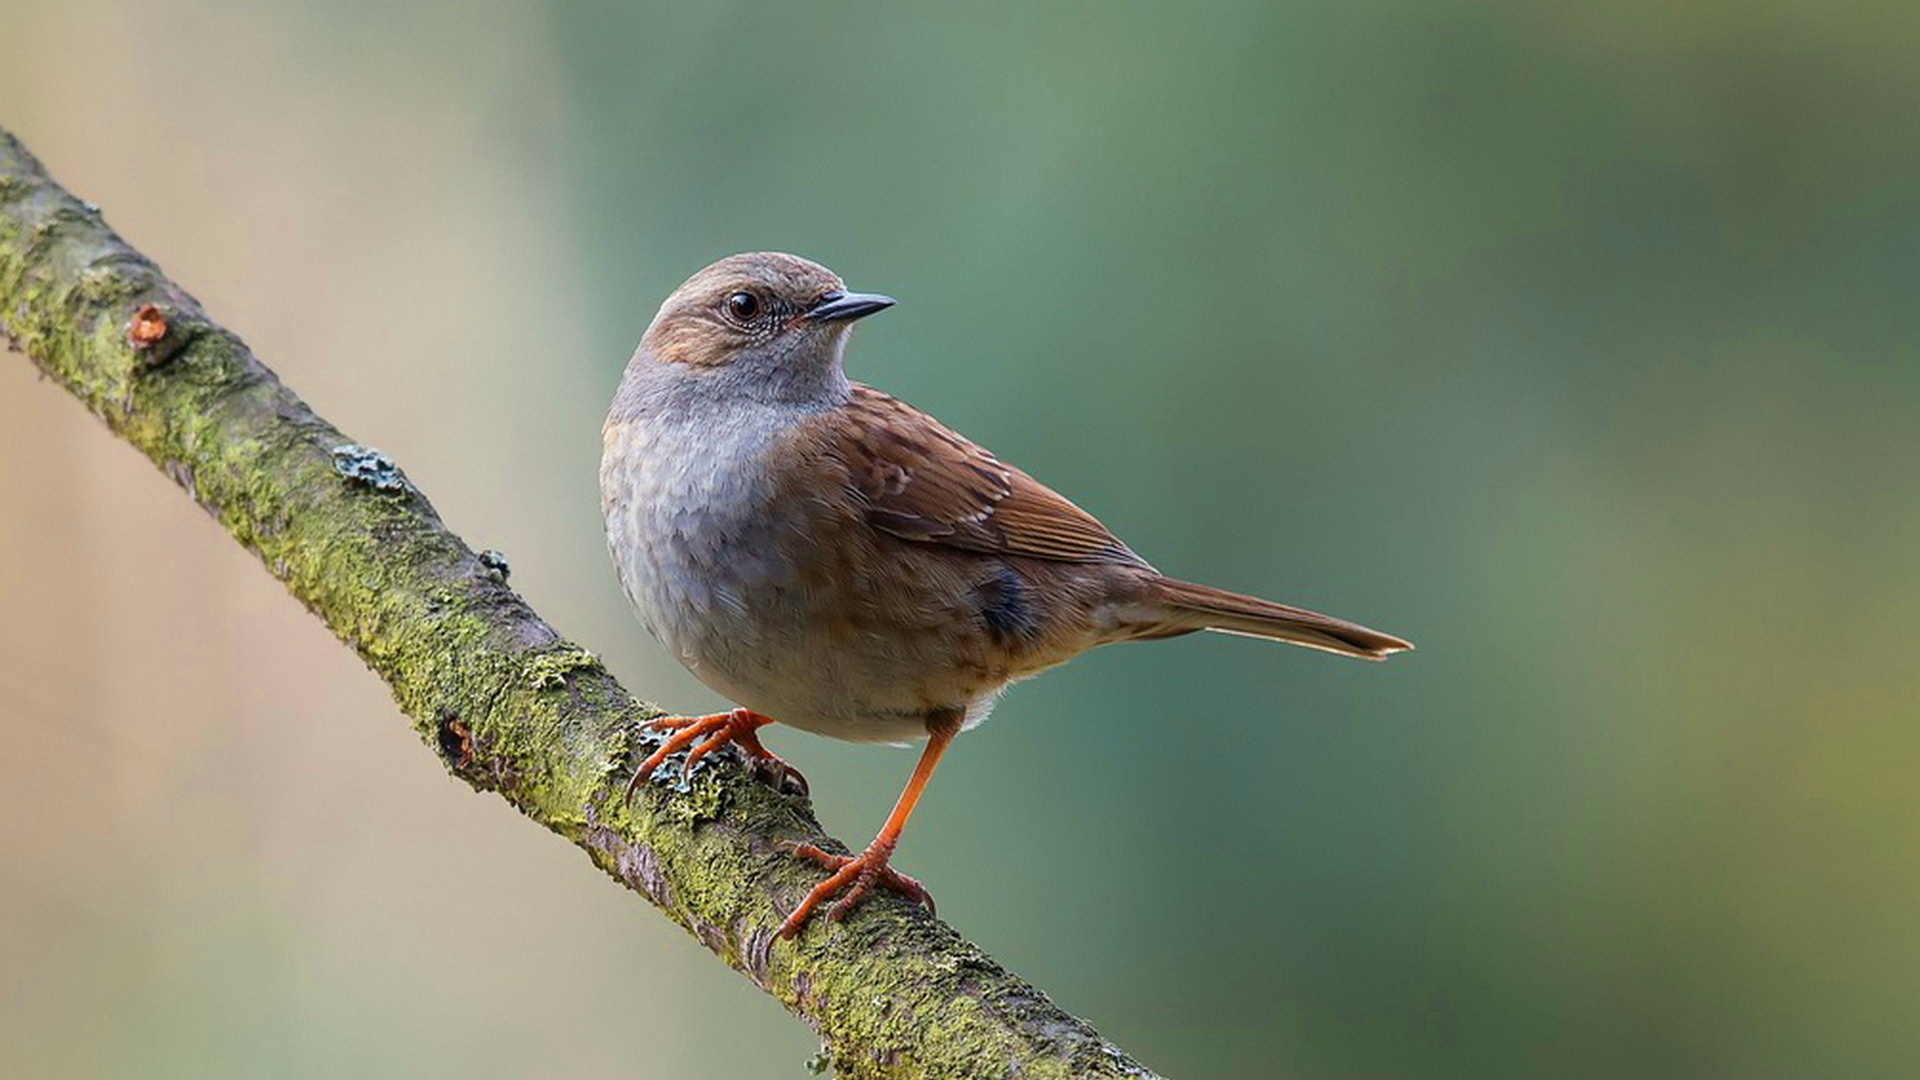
[743, 305]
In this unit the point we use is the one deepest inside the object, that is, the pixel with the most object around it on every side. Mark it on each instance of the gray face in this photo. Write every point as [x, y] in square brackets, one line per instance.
[762, 326]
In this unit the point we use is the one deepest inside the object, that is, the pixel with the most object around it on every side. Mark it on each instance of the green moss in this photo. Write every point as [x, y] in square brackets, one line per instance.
[549, 670]
[102, 287]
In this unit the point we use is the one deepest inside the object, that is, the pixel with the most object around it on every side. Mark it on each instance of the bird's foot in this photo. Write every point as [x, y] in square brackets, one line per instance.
[856, 875]
[702, 735]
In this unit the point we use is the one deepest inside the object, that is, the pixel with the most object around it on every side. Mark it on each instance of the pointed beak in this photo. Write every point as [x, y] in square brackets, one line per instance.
[842, 306]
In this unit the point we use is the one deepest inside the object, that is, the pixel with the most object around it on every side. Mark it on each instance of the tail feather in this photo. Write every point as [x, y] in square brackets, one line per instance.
[1181, 606]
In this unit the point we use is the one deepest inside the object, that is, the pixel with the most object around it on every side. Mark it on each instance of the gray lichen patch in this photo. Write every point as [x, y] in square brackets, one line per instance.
[365, 465]
[496, 565]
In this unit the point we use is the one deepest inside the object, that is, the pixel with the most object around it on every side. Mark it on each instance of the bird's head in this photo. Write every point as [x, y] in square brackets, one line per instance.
[765, 317]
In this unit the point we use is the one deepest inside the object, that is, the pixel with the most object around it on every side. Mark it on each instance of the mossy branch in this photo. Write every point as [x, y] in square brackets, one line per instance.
[507, 703]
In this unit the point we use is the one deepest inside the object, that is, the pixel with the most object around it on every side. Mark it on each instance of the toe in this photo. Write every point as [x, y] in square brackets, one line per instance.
[862, 885]
[780, 776]
[812, 854]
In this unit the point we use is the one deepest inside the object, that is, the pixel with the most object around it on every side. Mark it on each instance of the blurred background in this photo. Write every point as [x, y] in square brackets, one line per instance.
[1578, 343]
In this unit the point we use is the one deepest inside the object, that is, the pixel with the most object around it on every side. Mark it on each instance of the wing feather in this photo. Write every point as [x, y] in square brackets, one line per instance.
[920, 480]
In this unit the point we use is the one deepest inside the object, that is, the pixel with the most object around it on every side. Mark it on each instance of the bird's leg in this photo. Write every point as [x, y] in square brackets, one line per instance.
[705, 734]
[856, 875]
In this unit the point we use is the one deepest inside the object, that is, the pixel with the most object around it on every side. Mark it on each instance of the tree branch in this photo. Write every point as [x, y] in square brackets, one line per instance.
[509, 705]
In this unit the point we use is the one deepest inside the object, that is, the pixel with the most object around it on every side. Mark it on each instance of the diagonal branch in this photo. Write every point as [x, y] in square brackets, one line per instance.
[508, 704]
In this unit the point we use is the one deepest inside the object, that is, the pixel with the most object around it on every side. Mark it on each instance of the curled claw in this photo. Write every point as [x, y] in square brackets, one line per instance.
[702, 735]
[778, 775]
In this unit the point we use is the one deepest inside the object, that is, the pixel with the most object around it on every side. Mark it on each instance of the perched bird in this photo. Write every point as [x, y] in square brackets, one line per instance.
[832, 558]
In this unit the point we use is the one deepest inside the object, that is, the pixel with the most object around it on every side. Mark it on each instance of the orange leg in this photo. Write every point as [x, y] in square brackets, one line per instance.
[858, 874]
[705, 734]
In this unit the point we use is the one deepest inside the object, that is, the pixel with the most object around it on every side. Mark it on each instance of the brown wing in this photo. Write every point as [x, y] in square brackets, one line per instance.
[922, 481]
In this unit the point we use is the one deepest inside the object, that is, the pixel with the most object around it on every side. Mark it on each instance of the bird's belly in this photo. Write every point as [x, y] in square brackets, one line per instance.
[802, 657]
[774, 604]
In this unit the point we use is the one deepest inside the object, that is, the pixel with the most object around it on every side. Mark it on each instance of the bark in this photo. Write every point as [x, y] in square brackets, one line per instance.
[505, 702]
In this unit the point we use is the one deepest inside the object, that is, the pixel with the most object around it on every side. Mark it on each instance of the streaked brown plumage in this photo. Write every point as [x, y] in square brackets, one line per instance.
[833, 558]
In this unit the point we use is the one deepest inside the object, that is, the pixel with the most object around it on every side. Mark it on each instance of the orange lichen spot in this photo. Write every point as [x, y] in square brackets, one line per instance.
[456, 741]
[149, 325]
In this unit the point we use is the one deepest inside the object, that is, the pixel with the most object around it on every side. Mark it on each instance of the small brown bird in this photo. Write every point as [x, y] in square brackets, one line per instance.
[821, 553]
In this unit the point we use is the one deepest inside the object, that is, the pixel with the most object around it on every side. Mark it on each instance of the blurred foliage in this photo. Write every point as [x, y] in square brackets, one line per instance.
[1575, 342]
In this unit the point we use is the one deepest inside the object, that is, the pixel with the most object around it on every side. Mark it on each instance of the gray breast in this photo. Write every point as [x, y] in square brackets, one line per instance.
[694, 533]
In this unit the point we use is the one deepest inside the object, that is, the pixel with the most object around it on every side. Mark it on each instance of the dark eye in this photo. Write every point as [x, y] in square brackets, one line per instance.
[743, 305]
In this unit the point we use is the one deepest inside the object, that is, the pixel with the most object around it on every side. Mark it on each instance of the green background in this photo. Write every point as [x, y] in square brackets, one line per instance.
[1575, 342]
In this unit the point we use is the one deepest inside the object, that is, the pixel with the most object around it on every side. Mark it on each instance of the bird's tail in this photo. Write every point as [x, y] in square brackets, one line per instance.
[1181, 606]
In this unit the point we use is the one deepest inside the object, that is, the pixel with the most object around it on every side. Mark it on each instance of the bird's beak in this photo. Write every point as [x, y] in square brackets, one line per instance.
[842, 306]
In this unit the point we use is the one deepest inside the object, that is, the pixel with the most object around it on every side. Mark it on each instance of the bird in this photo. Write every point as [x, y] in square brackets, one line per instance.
[828, 557]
